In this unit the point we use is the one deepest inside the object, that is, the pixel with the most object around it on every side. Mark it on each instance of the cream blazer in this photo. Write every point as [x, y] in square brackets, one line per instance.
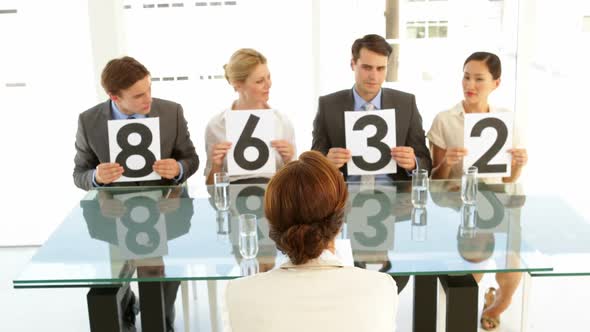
[321, 295]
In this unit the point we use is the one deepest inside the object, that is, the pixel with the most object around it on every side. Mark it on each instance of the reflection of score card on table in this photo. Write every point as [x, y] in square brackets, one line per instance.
[370, 222]
[141, 231]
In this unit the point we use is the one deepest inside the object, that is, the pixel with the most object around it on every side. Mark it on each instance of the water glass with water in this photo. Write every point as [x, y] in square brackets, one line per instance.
[249, 267]
[468, 226]
[419, 223]
[248, 242]
[469, 185]
[419, 187]
[223, 219]
[221, 181]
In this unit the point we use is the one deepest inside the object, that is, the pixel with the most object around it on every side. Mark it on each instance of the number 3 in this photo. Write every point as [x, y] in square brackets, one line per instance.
[374, 141]
[375, 221]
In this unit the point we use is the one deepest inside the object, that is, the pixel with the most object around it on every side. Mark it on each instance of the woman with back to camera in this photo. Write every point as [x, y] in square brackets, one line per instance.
[304, 204]
[247, 72]
[481, 76]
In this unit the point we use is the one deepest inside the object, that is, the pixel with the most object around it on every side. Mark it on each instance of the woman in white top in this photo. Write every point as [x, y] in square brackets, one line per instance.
[248, 74]
[481, 76]
[304, 204]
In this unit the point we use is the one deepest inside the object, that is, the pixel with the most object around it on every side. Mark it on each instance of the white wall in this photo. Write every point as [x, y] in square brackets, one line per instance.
[45, 45]
[556, 98]
[51, 48]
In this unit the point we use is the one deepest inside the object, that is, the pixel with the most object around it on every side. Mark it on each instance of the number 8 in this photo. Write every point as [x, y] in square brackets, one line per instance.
[128, 150]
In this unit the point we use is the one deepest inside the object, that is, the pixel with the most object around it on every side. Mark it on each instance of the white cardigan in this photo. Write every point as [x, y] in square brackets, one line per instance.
[321, 295]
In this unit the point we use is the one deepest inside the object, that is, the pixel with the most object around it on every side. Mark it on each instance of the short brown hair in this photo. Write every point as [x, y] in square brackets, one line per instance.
[242, 63]
[304, 204]
[374, 43]
[121, 73]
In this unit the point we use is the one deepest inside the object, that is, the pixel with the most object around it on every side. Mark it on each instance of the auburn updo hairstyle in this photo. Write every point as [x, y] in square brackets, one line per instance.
[304, 204]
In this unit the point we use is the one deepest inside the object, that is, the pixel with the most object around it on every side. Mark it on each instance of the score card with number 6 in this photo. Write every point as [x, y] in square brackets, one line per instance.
[250, 133]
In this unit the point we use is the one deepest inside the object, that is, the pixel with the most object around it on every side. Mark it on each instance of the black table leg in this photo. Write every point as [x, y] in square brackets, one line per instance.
[425, 297]
[461, 292]
[105, 311]
[151, 303]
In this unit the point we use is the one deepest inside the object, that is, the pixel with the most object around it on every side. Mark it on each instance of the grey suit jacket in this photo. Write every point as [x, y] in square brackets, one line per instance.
[92, 142]
[328, 126]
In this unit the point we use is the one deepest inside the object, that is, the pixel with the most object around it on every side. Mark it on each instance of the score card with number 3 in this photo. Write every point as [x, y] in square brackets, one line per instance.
[370, 135]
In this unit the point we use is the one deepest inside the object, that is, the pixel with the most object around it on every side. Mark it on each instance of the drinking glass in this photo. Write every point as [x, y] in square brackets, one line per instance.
[223, 219]
[221, 181]
[419, 187]
[468, 226]
[469, 185]
[249, 266]
[419, 223]
[248, 242]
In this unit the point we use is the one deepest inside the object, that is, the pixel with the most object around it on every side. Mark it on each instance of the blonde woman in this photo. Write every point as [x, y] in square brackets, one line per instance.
[247, 72]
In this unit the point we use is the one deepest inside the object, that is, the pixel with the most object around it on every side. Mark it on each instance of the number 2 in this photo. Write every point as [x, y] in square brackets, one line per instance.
[483, 162]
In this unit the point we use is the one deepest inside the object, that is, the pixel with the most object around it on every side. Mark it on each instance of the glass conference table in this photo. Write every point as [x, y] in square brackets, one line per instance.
[152, 235]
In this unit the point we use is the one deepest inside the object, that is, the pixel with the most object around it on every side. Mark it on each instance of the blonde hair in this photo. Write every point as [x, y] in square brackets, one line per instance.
[241, 64]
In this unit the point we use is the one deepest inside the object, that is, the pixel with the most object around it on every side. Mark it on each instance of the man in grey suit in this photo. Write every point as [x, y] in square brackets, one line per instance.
[369, 63]
[128, 84]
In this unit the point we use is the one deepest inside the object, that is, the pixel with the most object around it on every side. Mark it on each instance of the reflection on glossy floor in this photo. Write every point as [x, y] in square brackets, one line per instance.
[556, 303]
